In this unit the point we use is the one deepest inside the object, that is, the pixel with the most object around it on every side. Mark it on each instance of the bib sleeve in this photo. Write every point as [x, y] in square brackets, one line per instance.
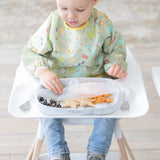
[114, 48]
[35, 54]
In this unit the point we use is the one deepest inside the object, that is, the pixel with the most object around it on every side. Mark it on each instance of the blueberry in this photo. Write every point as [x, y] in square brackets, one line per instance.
[41, 99]
[58, 105]
[45, 102]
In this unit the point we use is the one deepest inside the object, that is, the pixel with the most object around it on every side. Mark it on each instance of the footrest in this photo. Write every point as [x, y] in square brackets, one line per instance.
[82, 156]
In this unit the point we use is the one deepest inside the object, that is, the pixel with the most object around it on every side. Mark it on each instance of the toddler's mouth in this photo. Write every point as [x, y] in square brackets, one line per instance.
[72, 23]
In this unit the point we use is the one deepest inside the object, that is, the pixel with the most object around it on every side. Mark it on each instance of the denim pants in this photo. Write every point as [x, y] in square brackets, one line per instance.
[99, 141]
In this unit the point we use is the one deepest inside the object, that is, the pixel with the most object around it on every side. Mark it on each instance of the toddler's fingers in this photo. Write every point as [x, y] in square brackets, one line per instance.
[59, 84]
[45, 84]
[52, 87]
[56, 86]
[111, 70]
[122, 74]
[116, 70]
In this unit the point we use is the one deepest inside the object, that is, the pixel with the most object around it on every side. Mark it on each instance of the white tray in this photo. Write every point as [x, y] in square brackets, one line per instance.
[24, 85]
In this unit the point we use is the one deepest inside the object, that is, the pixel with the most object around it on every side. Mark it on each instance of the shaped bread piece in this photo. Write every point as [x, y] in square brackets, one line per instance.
[86, 102]
[71, 103]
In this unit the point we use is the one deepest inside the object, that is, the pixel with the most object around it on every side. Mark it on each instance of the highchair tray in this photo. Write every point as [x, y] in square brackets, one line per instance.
[24, 85]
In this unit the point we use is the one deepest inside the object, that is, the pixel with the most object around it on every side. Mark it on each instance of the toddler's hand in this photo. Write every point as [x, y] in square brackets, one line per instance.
[50, 81]
[117, 71]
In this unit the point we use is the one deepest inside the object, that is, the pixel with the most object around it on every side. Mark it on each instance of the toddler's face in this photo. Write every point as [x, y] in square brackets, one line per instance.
[75, 12]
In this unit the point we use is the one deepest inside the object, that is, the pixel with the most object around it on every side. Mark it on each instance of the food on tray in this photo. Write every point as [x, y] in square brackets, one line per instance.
[86, 102]
[51, 103]
[91, 102]
[74, 103]
[104, 98]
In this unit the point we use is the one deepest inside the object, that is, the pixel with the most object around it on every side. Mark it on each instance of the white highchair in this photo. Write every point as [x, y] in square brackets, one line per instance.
[137, 107]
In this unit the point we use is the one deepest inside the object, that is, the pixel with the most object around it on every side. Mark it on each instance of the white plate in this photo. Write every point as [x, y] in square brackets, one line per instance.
[100, 109]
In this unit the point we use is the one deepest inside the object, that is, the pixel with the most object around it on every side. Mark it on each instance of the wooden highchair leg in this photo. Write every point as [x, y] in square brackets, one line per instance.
[30, 153]
[37, 149]
[118, 136]
[122, 149]
[34, 151]
[127, 147]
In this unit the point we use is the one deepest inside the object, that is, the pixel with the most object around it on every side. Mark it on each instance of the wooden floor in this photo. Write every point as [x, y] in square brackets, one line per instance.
[16, 135]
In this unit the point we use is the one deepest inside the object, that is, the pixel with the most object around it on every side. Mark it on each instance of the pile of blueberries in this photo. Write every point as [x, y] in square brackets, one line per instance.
[51, 103]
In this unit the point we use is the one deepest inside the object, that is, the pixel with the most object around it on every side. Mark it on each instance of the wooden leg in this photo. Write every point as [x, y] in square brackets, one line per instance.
[122, 149]
[37, 149]
[30, 153]
[127, 147]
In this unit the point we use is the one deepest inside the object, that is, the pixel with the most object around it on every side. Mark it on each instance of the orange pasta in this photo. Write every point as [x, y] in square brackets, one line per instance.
[104, 98]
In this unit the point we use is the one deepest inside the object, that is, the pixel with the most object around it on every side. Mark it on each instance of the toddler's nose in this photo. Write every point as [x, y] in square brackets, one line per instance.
[71, 15]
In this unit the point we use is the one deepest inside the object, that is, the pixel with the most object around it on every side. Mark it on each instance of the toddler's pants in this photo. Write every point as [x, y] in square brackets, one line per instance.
[99, 141]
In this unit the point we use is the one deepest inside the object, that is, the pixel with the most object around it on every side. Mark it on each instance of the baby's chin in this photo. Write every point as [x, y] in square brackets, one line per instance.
[75, 25]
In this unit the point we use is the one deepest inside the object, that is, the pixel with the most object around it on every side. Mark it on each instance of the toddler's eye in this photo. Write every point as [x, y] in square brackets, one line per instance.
[80, 10]
[64, 9]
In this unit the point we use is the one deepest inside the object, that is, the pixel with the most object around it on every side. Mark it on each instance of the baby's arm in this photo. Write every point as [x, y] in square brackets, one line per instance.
[115, 56]
[114, 52]
[117, 71]
[35, 54]
[50, 80]
[35, 57]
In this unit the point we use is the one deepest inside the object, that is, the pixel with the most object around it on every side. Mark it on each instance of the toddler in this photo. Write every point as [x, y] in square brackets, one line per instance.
[76, 40]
